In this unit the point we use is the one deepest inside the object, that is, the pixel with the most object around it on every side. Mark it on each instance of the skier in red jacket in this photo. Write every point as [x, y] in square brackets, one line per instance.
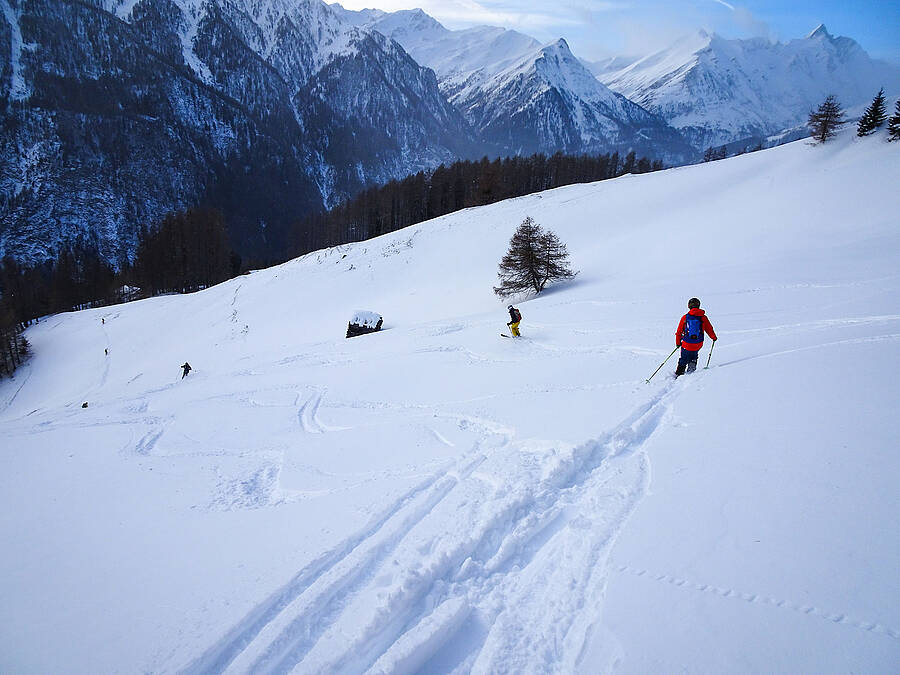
[689, 336]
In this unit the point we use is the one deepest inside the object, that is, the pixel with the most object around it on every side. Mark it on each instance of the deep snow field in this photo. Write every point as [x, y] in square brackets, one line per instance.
[435, 498]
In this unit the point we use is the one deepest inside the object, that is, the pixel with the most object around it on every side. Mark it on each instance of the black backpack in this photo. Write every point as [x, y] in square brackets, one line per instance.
[516, 315]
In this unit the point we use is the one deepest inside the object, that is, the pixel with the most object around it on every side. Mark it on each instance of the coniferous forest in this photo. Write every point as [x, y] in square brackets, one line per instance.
[191, 250]
[423, 196]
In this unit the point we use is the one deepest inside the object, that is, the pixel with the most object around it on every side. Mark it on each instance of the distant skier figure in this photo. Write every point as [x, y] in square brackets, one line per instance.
[186, 368]
[515, 317]
[689, 336]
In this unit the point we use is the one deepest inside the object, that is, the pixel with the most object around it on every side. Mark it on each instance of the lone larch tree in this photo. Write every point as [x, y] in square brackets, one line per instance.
[826, 120]
[535, 257]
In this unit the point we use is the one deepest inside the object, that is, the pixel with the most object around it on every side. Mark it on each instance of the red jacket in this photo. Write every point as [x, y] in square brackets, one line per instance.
[707, 327]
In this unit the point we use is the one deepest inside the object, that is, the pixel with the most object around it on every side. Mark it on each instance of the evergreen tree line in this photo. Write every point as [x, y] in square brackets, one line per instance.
[185, 252]
[876, 115]
[423, 196]
[188, 251]
[825, 121]
[77, 279]
[712, 154]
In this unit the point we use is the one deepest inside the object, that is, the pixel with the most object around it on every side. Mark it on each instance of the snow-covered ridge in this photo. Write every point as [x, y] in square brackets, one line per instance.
[524, 96]
[435, 498]
[720, 91]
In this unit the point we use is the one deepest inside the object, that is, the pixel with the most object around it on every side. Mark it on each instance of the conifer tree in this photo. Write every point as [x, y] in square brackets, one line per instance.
[554, 259]
[534, 258]
[873, 117]
[826, 120]
[894, 124]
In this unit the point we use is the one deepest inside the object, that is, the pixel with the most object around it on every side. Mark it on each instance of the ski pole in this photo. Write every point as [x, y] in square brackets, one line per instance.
[710, 354]
[662, 364]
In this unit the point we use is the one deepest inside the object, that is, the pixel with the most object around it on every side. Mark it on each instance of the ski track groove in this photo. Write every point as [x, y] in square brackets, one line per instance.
[280, 633]
[761, 599]
[27, 375]
[148, 441]
[308, 414]
[221, 655]
[836, 343]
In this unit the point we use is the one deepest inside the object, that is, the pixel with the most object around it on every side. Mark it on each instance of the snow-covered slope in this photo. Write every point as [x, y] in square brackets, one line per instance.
[435, 498]
[719, 91]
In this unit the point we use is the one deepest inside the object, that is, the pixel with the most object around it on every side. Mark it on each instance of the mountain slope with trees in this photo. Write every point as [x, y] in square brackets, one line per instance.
[435, 498]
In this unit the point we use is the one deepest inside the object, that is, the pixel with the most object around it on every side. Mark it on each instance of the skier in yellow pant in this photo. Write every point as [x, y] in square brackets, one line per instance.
[516, 316]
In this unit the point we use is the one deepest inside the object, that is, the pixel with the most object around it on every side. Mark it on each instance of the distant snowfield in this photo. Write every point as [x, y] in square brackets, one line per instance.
[435, 498]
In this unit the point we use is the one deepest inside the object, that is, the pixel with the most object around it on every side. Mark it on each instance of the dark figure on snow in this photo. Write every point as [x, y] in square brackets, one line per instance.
[515, 317]
[186, 368]
[689, 336]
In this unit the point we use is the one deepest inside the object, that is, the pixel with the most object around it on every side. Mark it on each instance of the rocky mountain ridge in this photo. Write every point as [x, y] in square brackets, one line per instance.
[117, 112]
[718, 91]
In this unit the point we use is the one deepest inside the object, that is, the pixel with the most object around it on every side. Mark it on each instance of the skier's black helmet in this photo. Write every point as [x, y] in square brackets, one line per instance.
[693, 303]
[509, 307]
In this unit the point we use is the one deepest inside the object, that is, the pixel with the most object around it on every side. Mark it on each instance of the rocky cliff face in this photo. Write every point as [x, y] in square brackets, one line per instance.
[523, 97]
[116, 112]
[547, 101]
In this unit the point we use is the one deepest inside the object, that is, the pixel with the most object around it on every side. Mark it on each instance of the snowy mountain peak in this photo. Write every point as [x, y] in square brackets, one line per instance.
[820, 32]
[718, 90]
[408, 22]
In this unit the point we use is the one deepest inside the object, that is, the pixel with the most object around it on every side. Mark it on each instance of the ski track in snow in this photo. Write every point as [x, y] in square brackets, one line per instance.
[25, 371]
[836, 343]
[759, 598]
[433, 576]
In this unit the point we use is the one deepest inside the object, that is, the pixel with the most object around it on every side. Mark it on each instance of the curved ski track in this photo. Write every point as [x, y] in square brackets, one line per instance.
[443, 578]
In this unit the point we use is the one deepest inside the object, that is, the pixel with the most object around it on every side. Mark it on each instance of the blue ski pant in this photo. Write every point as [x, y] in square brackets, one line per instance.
[686, 359]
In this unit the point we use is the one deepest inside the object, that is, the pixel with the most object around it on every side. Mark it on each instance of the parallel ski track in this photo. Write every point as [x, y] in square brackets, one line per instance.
[297, 627]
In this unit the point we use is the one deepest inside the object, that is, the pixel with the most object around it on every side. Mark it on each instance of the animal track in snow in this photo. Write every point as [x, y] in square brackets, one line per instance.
[761, 599]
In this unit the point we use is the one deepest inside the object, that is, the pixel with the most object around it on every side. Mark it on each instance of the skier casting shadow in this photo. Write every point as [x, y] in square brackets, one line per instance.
[186, 368]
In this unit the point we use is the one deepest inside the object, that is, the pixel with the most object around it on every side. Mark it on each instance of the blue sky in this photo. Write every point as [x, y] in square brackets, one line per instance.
[598, 28]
